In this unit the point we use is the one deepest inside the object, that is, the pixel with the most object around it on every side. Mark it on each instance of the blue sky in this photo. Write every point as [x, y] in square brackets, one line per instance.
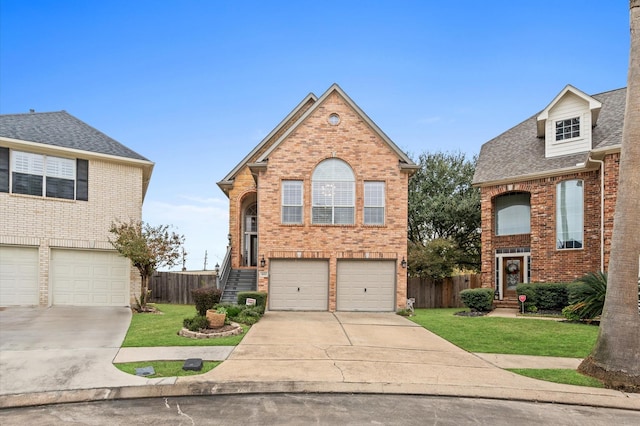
[195, 85]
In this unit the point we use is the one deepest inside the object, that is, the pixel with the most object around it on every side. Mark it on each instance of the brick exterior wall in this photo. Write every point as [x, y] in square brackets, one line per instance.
[549, 264]
[115, 192]
[313, 141]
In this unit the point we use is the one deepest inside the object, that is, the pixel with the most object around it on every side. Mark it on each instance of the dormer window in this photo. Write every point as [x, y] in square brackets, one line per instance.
[567, 129]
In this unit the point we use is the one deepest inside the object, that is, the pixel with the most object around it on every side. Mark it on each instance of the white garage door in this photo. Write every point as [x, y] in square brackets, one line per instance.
[18, 276]
[299, 285]
[89, 278]
[366, 285]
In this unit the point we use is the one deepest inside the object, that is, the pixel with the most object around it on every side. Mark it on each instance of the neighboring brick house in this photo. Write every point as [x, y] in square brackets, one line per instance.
[319, 209]
[62, 184]
[548, 190]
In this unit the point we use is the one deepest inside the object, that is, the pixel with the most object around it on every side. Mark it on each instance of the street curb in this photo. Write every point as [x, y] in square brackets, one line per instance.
[603, 398]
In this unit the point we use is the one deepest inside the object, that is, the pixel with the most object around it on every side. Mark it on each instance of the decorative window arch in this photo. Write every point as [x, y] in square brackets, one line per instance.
[333, 193]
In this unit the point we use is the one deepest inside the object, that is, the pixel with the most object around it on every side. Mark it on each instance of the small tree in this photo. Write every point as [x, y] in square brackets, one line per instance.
[148, 247]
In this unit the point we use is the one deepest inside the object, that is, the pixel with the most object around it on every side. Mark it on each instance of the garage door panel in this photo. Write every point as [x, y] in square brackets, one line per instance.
[89, 278]
[299, 285]
[18, 276]
[366, 286]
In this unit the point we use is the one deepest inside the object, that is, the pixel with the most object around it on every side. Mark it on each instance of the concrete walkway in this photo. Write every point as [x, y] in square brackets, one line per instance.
[343, 353]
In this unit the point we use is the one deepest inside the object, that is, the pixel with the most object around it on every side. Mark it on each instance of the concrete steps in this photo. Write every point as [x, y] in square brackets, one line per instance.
[239, 280]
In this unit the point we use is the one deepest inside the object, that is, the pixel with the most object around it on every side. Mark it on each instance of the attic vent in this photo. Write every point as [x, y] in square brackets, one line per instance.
[31, 111]
[334, 119]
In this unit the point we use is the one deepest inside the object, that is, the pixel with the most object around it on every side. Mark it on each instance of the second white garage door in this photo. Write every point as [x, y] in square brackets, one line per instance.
[299, 285]
[366, 285]
[89, 278]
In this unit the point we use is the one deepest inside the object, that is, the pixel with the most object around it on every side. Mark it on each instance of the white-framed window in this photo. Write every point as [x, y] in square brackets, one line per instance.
[45, 176]
[570, 214]
[513, 213]
[292, 202]
[374, 203]
[567, 129]
[333, 193]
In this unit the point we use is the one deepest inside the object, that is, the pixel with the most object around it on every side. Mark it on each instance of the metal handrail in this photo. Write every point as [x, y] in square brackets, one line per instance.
[225, 270]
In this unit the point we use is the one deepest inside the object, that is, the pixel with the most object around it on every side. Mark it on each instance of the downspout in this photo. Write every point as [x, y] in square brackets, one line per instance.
[601, 210]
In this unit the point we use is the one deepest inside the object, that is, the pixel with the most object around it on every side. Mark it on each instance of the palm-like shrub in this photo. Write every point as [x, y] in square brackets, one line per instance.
[587, 297]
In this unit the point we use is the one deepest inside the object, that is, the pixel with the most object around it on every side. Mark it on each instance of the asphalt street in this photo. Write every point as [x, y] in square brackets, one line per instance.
[318, 409]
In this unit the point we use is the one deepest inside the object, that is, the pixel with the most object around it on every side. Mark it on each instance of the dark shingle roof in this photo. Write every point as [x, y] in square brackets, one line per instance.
[63, 130]
[518, 152]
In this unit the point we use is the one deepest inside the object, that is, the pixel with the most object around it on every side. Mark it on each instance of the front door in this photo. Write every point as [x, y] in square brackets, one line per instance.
[251, 236]
[512, 275]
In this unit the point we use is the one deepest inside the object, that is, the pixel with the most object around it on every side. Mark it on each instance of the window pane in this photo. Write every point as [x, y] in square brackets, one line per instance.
[291, 214]
[61, 167]
[321, 215]
[292, 192]
[28, 163]
[513, 214]
[569, 214]
[374, 202]
[374, 216]
[343, 215]
[60, 188]
[27, 184]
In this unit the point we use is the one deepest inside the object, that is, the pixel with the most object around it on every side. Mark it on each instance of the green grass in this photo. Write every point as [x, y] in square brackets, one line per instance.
[149, 330]
[166, 368]
[567, 377]
[516, 336]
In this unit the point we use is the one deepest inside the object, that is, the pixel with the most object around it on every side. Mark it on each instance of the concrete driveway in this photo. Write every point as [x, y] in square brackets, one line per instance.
[61, 348]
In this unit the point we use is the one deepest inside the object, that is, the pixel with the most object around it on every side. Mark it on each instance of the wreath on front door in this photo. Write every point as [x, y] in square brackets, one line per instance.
[512, 268]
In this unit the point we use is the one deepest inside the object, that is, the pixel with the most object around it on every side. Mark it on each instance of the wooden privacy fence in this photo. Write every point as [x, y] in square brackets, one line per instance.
[175, 287]
[440, 294]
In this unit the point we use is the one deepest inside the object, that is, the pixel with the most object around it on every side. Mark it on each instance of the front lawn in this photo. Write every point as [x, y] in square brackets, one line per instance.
[161, 329]
[516, 336]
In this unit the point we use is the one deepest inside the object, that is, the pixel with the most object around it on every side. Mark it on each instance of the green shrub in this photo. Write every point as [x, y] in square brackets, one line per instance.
[544, 296]
[478, 299]
[587, 297]
[232, 310]
[205, 298]
[248, 316]
[196, 323]
[260, 296]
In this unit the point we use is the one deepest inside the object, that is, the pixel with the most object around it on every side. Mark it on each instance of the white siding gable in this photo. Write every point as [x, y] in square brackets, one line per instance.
[568, 107]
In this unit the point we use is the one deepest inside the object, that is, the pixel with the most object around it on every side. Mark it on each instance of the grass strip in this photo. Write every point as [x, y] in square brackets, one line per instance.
[161, 329]
[165, 368]
[516, 336]
[567, 377]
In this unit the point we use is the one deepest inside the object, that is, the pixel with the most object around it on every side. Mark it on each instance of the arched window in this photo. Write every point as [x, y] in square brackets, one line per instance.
[333, 193]
[513, 213]
[569, 214]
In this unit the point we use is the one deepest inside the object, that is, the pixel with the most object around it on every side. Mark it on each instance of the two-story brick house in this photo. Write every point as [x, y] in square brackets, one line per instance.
[62, 184]
[319, 210]
[548, 191]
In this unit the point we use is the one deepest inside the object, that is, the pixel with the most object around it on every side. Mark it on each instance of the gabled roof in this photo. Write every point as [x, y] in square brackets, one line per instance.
[594, 107]
[335, 88]
[63, 130]
[519, 154]
[259, 156]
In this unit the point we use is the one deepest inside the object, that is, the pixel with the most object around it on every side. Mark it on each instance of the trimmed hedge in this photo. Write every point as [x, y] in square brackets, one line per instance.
[260, 296]
[478, 299]
[544, 296]
[205, 298]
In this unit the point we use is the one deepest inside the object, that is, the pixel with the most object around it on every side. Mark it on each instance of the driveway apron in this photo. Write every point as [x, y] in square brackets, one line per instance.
[61, 348]
[377, 353]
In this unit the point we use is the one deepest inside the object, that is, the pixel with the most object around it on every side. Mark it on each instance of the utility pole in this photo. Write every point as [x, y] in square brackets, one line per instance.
[205, 260]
